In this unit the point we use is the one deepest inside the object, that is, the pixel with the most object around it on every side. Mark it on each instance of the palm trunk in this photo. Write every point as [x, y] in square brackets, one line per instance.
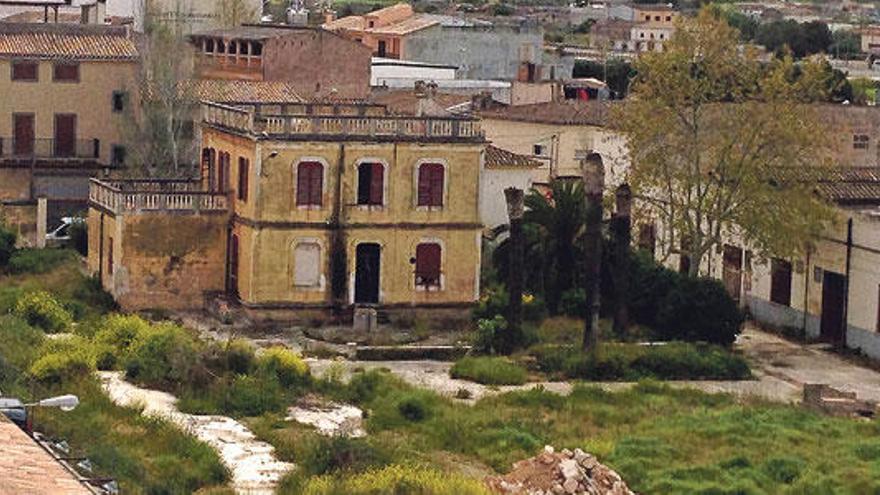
[594, 182]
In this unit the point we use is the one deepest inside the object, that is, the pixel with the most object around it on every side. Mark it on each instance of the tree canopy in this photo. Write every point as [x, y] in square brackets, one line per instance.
[705, 122]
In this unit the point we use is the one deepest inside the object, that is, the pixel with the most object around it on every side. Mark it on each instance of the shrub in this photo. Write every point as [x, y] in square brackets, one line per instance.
[19, 342]
[489, 330]
[699, 310]
[494, 302]
[413, 407]
[285, 364]
[489, 371]
[41, 310]
[57, 367]
[673, 361]
[37, 261]
[7, 245]
[396, 479]
[120, 332]
[573, 302]
[252, 396]
[91, 292]
[240, 357]
[165, 355]
[326, 455]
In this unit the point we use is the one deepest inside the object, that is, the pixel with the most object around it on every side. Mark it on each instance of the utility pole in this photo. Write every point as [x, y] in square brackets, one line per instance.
[621, 231]
[515, 269]
[593, 172]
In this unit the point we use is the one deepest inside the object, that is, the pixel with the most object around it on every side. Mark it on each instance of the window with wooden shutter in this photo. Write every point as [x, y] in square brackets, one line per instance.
[65, 72]
[431, 176]
[371, 184]
[25, 70]
[780, 282]
[309, 184]
[243, 166]
[428, 265]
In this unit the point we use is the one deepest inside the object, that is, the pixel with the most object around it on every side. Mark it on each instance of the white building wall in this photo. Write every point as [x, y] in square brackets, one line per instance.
[493, 182]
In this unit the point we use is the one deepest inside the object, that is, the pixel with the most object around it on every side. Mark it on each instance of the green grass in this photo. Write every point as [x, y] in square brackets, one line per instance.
[35, 261]
[661, 440]
[489, 371]
[633, 362]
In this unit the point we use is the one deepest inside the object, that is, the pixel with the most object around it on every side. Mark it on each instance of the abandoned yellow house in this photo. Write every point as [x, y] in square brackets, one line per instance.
[302, 207]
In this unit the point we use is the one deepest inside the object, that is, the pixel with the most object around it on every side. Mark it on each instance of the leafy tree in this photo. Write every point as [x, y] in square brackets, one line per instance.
[802, 39]
[846, 44]
[233, 13]
[747, 26]
[617, 73]
[705, 123]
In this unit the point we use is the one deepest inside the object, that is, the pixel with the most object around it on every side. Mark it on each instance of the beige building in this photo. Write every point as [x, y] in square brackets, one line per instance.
[870, 39]
[67, 95]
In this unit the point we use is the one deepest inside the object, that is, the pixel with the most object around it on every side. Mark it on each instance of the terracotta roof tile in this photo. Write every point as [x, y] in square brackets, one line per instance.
[25, 468]
[66, 42]
[405, 102]
[223, 91]
[498, 157]
[592, 113]
[406, 26]
[843, 185]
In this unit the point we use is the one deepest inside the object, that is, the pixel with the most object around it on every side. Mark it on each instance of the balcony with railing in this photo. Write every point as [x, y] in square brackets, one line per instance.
[351, 121]
[155, 195]
[49, 149]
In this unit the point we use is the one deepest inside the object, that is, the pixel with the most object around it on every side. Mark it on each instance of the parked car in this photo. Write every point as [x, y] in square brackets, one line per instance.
[60, 237]
[14, 409]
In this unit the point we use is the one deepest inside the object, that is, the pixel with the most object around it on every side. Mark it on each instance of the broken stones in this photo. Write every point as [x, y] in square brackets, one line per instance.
[560, 473]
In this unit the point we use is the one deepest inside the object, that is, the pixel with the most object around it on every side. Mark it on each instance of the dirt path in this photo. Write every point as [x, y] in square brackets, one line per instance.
[434, 375]
[797, 364]
[254, 468]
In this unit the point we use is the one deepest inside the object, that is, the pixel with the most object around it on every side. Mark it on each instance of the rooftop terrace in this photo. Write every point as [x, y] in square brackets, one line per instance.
[338, 122]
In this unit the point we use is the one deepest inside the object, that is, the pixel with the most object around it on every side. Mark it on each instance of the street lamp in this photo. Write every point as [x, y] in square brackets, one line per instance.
[64, 402]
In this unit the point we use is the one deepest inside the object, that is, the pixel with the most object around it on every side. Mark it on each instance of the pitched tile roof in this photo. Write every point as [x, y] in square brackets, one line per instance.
[66, 42]
[593, 113]
[396, 19]
[232, 91]
[843, 185]
[25, 468]
[499, 157]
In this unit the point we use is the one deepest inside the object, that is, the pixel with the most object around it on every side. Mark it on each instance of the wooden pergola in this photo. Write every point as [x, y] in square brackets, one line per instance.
[46, 4]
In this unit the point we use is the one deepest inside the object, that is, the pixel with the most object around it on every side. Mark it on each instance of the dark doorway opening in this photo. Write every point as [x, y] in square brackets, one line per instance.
[65, 135]
[23, 139]
[833, 295]
[366, 277]
[732, 271]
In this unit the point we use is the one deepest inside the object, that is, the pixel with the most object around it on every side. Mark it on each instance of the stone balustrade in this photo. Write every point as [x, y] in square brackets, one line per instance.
[155, 195]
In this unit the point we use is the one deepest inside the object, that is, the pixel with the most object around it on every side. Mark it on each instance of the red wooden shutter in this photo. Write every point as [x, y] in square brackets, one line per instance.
[316, 186]
[431, 184]
[242, 179]
[428, 264]
[377, 178]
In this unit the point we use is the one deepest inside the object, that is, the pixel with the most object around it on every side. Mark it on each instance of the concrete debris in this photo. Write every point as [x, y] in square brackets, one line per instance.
[329, 418]
[255, 469]
[560, 473]
[828, 400]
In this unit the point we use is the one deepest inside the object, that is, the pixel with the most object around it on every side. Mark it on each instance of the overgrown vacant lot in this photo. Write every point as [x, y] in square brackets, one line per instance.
[661, 440]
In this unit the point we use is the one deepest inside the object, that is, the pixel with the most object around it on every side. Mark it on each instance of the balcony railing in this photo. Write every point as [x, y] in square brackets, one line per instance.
[155, 195]
[82, 149]
[305, 126]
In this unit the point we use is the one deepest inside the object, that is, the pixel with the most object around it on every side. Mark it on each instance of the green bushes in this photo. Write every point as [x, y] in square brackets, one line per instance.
[630, 362]
[79, 237]
[490, 331]
[63, 359]
[326, 455]
[7, 245]
[164, 357]
[494, 302]
[36, 261]
[679, 307]
[287, 366]
[41, 310]
[489, 371]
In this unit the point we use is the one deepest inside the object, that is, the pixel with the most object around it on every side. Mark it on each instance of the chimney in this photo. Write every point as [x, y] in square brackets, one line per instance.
[329, 16]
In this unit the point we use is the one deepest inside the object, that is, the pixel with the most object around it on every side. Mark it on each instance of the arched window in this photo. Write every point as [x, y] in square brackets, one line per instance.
[309, 184]
[431, 177]
[428, 256]
[371, 184]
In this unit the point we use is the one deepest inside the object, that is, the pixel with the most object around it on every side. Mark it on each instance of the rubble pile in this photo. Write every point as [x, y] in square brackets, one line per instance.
[560, 473]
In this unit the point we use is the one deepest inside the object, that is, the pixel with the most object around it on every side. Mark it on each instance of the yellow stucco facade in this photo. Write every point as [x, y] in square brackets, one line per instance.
[269, 225]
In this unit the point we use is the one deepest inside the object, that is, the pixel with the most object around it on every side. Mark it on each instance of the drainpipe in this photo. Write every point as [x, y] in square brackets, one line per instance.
[101, 252]
[849, 245]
